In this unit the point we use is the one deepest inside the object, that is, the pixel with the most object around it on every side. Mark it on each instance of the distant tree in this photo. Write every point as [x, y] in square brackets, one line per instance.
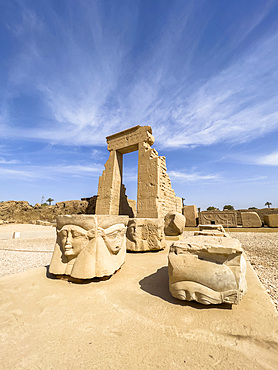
[49, 200]
[228, 207]
[268, 204]
[199, 209]
[212, 208]
[252, 208]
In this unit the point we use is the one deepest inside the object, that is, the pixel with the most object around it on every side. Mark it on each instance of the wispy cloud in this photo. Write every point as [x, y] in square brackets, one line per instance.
[268, 160]
[31, 173]
[99, 84]
[4, 161]
[191, 177]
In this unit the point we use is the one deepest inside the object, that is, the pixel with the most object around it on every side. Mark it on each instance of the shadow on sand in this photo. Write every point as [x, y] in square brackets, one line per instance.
[74, 280]
[157, 284]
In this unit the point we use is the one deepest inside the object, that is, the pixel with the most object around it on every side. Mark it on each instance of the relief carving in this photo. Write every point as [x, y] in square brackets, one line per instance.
[89, 246]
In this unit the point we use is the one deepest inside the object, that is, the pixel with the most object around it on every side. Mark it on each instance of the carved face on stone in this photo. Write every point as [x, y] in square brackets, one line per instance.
[73, 240]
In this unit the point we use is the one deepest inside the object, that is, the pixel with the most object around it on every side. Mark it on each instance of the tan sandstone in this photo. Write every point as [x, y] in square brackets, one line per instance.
[174, 223]
[191, 215]
[271, 220]
[207, 269]
[89, 246]
[155, 196]
[145, 234]
[225, 218]
[250, 219]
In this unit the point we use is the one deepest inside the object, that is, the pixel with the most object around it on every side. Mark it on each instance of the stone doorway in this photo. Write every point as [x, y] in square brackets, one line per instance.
[155, 196]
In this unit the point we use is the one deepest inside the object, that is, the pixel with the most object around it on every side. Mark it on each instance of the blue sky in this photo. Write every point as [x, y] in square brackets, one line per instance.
[202, 74]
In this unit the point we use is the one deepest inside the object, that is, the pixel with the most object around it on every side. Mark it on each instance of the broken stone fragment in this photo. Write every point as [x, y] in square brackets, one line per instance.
[207, 269]
[174, 223]
[145, 234]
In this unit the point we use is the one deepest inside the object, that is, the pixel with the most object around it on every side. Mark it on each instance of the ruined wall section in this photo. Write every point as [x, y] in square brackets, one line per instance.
[167, 200]
[109, 186]
[156, 196]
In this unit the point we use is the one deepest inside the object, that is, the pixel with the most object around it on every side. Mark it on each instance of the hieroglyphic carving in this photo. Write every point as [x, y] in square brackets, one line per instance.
[225, 218]
[145, 234]
[89, 246]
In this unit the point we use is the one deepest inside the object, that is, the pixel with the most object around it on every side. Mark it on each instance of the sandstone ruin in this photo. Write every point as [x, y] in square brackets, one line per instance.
[155, 195]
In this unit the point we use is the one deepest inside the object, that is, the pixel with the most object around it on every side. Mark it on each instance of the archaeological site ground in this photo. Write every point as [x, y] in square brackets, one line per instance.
[113, 283]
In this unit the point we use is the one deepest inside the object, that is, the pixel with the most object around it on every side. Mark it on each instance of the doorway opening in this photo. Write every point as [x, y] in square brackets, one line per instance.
[130, 178]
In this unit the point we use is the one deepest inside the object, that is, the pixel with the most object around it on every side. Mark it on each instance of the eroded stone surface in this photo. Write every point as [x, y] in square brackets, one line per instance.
[174, 223]
[225, 218]
[207, 269]
[145, 234]
[191, 215]
[250, 219]
[89, 246]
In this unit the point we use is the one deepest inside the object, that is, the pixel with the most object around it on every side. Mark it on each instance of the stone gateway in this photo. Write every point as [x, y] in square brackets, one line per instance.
[155, 195]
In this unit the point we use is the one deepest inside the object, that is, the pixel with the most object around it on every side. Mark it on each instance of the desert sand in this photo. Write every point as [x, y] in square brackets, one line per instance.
[129, 321]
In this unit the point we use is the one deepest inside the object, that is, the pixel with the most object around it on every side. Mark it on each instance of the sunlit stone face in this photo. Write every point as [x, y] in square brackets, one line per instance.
[73, 240]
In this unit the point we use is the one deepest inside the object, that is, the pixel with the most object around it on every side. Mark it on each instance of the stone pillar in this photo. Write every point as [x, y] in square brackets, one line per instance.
[109, 186]
[147, 192]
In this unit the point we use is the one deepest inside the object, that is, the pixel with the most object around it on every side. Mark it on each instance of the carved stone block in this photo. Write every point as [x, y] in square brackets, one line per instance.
[145, 234]
[250, 219]
[225, 218]
[207, 269]
[191, 215]
[174, 223]
[271, 220]
[89, 246]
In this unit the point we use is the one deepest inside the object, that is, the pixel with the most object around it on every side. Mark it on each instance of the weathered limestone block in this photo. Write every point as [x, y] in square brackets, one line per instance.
[211, 230]
[225, 218]
[209, 270]
[89, 246]
[191, 215]
[174, 223]
[145, 234]
[250, 219]
[271, 220]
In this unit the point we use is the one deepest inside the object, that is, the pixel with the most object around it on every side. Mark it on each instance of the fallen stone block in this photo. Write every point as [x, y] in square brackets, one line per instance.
[271, 220]
[174, 223]
[250, 219]
[207, 269]
[191, 215]
[16, 235]
[145, 234]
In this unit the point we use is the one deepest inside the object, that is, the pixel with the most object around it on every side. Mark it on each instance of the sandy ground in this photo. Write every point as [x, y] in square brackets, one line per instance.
[129, 321]
[35, 246]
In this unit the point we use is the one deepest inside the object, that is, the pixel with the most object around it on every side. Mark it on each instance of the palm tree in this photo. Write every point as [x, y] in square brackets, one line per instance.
[49, 200]
[268, 204]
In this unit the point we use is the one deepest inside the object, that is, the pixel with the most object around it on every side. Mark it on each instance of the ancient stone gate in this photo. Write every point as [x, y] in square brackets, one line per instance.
[155, 196]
